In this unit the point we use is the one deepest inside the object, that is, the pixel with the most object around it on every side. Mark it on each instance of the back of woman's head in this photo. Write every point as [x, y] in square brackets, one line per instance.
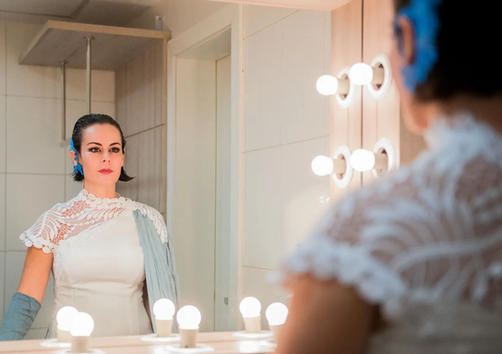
[466, 41]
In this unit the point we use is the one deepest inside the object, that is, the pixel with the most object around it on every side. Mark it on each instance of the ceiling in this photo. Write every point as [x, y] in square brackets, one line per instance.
[106, 12]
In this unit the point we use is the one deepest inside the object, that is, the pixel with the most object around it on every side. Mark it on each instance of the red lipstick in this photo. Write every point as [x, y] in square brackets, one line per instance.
[105, 171]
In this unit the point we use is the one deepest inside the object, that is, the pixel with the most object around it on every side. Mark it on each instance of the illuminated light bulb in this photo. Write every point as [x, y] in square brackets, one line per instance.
[322, 165]
[327, 85]
[188, 318]
[250, 308]
[362, 160]
[276, 314]
[64, 319]
[81, 328]
[163, 309]
[361, 74]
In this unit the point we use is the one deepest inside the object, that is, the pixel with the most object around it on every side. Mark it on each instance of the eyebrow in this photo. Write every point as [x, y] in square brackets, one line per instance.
[102, 145]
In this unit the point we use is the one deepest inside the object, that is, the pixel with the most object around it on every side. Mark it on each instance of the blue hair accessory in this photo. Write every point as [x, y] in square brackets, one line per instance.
[425, 18]
[78, 168]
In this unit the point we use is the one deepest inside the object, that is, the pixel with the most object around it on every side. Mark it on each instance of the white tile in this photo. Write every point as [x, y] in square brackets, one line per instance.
[131, 166]
[262, 220]
[3, 57]
[2, 212]
[14, 266]
[150, 181]
[34, 138]
[258, 17]
[3, 134]
[28, 80]
[255, 283]
[2, 285]
[304, 196]
[103, 85]
[77, 108]
[28, 196]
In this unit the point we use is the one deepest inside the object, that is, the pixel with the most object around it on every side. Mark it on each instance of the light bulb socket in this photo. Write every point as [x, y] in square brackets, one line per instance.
[252, 324]
[164, 327]
[345, 88]
[342, 169]
[79, 344]
[63, 335]
[188, 338]
[378, 75]
[382, 76]
[384, 157]
[276, 330]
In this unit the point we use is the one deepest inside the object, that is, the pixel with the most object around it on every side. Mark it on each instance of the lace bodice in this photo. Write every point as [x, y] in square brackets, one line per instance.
[83, 213]
[429, 232]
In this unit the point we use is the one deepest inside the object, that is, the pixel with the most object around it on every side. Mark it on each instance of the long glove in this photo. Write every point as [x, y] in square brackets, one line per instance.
[19, 316]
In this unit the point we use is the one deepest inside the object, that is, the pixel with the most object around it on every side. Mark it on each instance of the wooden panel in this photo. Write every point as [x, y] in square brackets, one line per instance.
[297, 4]
[346, 25]
[112, 46]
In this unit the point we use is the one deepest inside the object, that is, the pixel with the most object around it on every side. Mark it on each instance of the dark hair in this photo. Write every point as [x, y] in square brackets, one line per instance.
[86, 121]
[467, 63]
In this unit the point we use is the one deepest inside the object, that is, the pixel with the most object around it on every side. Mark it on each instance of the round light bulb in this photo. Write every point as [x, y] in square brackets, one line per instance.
[82, 325]
[163, 309]
[276, 314]
[250, 307]
[188, 317]
[322, 165]
[64, 317]
[361, 74]
[362, 160]
[327, 85]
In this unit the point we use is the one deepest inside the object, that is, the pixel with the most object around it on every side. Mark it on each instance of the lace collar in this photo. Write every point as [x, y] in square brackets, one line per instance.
[94, 201]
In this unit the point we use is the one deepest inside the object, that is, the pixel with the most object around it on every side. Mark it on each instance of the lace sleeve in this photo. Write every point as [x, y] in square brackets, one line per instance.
[156, 217]
[43, 233]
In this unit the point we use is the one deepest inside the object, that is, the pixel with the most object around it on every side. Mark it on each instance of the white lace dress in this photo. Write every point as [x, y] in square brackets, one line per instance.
[98, 262]
[424, 243]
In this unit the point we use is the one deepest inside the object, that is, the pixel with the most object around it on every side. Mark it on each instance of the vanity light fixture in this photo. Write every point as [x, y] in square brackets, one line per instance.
[338, 166]
[163, 310]
[81, 329]
[379, 160]
[375, 76]
[64, 319]
[188, 318]
[341, 86]
[250, 308]
[276, 314]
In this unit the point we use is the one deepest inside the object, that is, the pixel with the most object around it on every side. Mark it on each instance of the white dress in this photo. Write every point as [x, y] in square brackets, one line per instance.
[98, 262]
[424, 243]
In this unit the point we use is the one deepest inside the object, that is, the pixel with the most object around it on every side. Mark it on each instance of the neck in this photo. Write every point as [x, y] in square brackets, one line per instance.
[101, 191]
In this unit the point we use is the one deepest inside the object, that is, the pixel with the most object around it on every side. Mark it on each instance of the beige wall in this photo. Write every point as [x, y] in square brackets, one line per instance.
[34, 166]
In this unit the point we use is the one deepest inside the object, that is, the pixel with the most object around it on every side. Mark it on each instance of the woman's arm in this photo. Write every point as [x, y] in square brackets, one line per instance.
[36, 272]
[325, 317]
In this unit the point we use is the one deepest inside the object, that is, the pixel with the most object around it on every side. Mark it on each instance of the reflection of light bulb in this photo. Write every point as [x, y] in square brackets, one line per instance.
[163, 309]
[276, 314]
[327, 85]
[64, 317]
[250, 307]
[188, 317]
[322, 165]
[82, 325]
[361, 74]
[362, 160]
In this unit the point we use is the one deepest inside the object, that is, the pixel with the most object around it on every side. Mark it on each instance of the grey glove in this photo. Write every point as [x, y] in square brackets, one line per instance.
[20, 315]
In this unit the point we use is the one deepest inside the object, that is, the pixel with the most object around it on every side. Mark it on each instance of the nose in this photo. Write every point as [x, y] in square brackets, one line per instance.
[106, 156]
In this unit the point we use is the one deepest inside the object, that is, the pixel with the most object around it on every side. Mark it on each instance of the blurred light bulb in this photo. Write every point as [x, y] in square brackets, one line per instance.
[362, 160]
[327, 85]
[250, 307]
[82, 325]
[276, 314]
[64, 317]
[322, 165]
[361, 74]
[188, 317]
[163, 309]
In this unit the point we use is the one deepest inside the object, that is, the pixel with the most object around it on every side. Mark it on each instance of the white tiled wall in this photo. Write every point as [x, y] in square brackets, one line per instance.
[286, 124]
[34, 167]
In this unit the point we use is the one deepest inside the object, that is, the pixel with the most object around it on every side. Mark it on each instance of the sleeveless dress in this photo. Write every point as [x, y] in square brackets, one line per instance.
[98, 262]
[424, 243]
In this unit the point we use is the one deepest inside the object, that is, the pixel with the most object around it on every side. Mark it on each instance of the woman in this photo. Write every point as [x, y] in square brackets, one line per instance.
[413, 263]
[110, 256]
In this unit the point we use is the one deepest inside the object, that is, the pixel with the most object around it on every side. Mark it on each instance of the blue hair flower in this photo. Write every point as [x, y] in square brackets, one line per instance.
[424, 16]
[78, 168]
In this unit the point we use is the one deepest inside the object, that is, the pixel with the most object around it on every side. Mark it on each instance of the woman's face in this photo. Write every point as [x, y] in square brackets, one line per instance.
[101, 154]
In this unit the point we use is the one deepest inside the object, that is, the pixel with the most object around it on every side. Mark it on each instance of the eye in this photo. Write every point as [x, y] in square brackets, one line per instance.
[94, 149]
[116, 149]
